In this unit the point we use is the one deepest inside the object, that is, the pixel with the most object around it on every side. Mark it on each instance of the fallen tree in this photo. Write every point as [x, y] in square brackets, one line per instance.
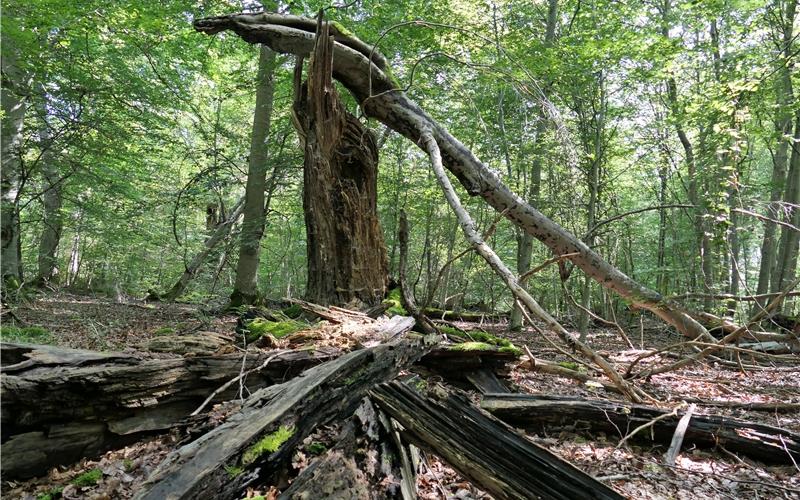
[759, 441]
[364, 72]
[484, 449]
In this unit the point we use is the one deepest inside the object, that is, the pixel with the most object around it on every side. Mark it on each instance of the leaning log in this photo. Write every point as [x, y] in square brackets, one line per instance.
[255, 444]
[759, 441]
[60, 405]
[484, 449]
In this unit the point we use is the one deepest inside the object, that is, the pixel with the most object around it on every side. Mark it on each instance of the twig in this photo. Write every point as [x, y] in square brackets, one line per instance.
[235, 379]
[648, 424]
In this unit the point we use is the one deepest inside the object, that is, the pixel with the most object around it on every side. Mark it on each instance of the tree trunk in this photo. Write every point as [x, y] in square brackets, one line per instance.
[759, 441]
[790, 238]
[784, 97]
[346, 254]
[245, 289]
[52, 200]
[14, 105]
[361, 70]
[525, 241]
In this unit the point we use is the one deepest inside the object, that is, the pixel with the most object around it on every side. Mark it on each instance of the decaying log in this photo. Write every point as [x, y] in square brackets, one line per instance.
[60, 405]
[367, 462]
[540, 365]
[483, 449]
[758, 441]
[257, 441]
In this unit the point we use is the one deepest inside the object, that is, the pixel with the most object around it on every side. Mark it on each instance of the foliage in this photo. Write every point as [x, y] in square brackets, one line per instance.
[89, 478]
[268, 444]
[28, 334]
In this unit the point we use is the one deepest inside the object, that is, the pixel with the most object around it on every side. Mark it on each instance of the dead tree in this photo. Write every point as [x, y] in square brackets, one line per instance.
[365, 73]
[346, 253]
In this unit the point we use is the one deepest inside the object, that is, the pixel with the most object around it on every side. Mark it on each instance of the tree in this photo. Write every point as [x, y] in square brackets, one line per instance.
[245, 290]
[346, 253]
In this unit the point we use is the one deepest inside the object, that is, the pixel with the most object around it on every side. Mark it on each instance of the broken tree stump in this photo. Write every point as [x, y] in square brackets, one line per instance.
[255, 443]
[762, 442]
[60, 405]
[484, 449]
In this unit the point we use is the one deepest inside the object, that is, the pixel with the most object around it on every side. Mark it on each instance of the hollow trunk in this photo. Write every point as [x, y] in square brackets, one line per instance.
[346, 253]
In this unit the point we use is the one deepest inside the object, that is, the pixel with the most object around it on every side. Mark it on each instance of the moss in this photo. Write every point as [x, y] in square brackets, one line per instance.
[54, 493]
[260, 327]
[395, 302]
[472, 346]
[268, 444]
[481, 337]
[340, 29]
[316, 448]
[28, 334]
[511, 349]
[164, 330]
[293, 311]
[89, 478]
[127, 465]
[569, 365]
[452, 331]
[234, 471]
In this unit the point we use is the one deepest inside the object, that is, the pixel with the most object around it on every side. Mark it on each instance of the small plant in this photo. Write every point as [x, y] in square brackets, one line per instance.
[90, 478]
[268, 444]
[234, 471]
[164, 330]
[316, 448]
[55, 492]
[293, 311]
[28, 334]
[127, 465]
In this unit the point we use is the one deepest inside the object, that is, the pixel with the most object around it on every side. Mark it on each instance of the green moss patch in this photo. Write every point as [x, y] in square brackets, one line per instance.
[260, 327]
[28, 334]
[164, 330]
[233, 471]
[54, 493]
[268, 444]
[395, 302]
[316, 448]
[89, 478]
[475, 338]
[293, 311]
[472, 346]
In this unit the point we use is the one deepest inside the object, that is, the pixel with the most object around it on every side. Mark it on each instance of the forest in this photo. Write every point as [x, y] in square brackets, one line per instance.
[451, 249]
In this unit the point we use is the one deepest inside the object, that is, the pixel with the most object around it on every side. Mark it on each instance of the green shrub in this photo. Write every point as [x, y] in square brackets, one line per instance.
[28, 334]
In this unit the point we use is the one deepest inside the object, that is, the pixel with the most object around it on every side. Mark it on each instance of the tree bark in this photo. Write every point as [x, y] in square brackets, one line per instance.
[52, 199]
[790, 238]
[245, 288]
[346, 254]
[379, 97]
[14, 104]
[759, 441]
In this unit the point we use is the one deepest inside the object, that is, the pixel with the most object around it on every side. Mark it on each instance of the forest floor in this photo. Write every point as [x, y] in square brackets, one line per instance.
[636, 471]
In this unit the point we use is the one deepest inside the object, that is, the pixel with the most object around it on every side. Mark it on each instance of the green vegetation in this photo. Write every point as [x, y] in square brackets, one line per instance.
[472, 346]
[234, 471]
[89, 478]
[293, 311]
[164, 330]
[27, 335]
[268, 444]
[260, 327]
[316, 448]
[394, 299]
[53, 494]
[475, 338]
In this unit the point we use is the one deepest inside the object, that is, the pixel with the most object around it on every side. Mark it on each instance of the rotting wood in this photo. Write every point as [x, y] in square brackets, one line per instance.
[758, 441]
[365, 463]
[259, 439]
[484, 449]
[60, 405]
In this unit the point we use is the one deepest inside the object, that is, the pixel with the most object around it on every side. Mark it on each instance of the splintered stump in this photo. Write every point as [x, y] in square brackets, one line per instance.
[256, 443]
[762, 442]
[484, 449]
[346, 252]
[60, 405]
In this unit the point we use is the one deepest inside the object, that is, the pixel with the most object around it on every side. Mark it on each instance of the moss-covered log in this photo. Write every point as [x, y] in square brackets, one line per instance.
[258, 441]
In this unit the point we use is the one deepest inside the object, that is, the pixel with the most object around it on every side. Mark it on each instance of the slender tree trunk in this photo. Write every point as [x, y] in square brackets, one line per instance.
[784, 99]
[14, 105]
[52, 200]
[346, 254]
[245, 288]
[525, 240]
[221, 232]
[790, 238]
